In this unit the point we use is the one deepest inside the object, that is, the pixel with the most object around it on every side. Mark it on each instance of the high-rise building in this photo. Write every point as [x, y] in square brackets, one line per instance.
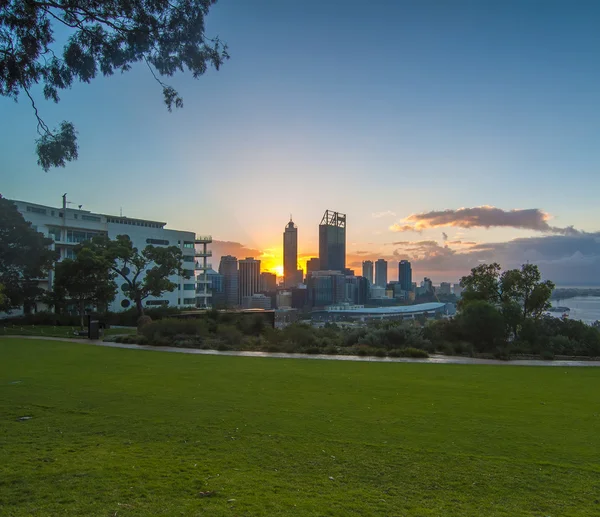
[216, 288]
[228, 267]
[249, 277]
[405, 275]
[268, 282]
[381, 272]
[332, 241]
[445, 288]
[256, 301]
[367, 270]
[290, 255]
[312, 265]
[326, 288]
[357, 290]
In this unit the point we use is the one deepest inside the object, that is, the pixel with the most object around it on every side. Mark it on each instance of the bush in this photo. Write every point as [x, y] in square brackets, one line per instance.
[330, 350]
[143, 321]
[380, 352]
[416, 353]
[547, 355]
[169, 328]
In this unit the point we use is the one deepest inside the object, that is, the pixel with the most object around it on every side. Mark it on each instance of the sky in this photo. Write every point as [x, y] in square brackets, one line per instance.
[451, 133]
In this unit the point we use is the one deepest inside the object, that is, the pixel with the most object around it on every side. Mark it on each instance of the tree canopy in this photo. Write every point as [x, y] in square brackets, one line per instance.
[146, 273]
[25, 256]
[86, 280]
[105, 36]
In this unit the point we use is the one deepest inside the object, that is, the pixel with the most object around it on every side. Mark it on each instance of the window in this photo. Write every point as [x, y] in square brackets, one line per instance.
[188, 272]
[54, 234]
[188, 245]
[125, 304]
[75, 216]
[78, 236]
[160, 242]
[60, 214]
[157, 302]
[189, 301]
[188, 258]
[94, 218]
[52, 213]
[189, 287]
[70, 254]
[36, 210]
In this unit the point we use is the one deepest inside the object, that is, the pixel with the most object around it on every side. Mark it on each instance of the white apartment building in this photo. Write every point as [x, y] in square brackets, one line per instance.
[68, 227]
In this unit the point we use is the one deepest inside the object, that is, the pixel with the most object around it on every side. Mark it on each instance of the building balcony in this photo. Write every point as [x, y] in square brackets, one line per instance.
[207, 253]
[203, 239]
[202, 294]
[200, 280]
[202, 267]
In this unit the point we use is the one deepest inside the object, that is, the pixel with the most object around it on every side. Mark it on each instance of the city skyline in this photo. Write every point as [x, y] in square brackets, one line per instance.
[461, 137]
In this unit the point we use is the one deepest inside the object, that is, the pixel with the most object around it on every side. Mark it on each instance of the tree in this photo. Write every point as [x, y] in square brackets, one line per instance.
[87, 280]
[483, 325]
[481, 284]
[104, 36]
[146, 273]
[25, 256]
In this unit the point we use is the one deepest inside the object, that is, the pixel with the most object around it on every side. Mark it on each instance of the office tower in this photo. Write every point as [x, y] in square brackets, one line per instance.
[290, 255]
[332, 241]
[215, 288]
[312, 265]
[445, 288]
[357, 290]
[268, 282]
[249, 277]
[228, 267]
[326, 288]
[367, 270]
[381, 273]
[405, 275]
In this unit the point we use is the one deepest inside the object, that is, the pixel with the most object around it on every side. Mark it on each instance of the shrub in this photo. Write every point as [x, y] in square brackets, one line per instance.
[413, 352]
[547, 355]
[169, 328]
[380, 352]
[143, 321]
[330, 350]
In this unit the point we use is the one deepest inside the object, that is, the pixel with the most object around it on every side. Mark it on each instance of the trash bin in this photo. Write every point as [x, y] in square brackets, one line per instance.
[94, 329]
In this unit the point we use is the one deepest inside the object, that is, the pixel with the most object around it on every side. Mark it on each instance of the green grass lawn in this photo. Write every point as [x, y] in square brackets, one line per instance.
[123, 432]
[56, 331]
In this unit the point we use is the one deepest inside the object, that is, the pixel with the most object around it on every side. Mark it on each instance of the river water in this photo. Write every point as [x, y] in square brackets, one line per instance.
[583, 308]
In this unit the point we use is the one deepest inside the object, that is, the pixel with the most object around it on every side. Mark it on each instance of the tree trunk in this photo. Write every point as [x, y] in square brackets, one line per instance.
[81, 311]
[139, 306]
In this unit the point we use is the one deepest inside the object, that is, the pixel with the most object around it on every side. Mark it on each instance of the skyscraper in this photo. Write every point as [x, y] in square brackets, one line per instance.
[367, 267]
[228, 267]
[268, 282]
[249, 278]
[290, 255]
[312, 265]
[381, 273]
[332, 241]
[405, 275]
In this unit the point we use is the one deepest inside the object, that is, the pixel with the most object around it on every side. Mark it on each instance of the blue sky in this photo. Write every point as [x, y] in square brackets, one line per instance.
[363, 107]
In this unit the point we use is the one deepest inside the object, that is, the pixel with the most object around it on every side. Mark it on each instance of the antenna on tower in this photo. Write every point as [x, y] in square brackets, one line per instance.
[290, 218]
[121, 212]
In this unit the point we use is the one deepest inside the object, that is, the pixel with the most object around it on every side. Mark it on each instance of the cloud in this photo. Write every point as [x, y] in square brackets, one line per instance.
[403, 228]
[564, 259]
[483, 217]
[379, 215]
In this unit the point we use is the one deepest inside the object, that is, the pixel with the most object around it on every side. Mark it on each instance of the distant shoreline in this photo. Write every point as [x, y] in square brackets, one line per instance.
[564, 293]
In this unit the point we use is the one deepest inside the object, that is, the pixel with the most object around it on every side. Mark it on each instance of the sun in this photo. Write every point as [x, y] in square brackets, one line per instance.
[278, 270]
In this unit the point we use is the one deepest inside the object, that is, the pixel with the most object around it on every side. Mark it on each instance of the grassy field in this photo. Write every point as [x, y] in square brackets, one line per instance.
[121, 432]
[57, 331]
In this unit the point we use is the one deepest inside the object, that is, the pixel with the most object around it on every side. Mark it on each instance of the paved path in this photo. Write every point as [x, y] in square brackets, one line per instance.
[434, 359]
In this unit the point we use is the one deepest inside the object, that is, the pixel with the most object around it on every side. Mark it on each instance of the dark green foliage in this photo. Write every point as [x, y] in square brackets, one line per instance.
[85, 280]
[25, 256]
[156, 264]
[105, 37]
